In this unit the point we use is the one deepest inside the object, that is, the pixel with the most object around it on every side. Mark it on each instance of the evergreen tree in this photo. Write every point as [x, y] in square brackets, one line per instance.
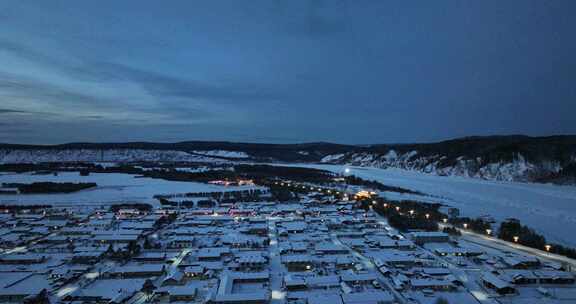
[148, 288]
[147, 244]
[40, 298]
[441, 301]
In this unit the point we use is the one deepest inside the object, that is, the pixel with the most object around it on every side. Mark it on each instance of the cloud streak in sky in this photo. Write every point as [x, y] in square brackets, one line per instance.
[285, 71]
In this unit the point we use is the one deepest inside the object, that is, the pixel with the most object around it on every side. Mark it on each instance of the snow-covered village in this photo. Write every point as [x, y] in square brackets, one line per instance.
[260, 234]
[288, 152]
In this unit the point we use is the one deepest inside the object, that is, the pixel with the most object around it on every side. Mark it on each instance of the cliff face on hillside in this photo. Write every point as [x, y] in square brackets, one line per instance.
[515, 169]
[510, 158]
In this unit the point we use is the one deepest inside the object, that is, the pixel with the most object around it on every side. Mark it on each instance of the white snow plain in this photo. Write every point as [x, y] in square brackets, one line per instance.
[223, 153]
[549, 209]
[112, 188]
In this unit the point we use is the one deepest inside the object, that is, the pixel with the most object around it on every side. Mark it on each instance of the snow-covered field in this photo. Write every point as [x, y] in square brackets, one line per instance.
[223, 153]
[550, 209]
[112, 188]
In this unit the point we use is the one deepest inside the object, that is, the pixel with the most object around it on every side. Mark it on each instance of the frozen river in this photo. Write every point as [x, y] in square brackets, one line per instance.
[550, 209]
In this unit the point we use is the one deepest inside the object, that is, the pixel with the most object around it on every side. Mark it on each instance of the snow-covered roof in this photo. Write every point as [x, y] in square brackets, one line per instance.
[368, 297]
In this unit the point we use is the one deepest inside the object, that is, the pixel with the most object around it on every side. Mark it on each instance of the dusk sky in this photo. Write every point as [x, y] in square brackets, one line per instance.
[285, 71]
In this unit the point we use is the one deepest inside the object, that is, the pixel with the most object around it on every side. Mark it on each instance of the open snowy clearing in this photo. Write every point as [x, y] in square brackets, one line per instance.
[223, 153]
[112, 188]
[550, 209]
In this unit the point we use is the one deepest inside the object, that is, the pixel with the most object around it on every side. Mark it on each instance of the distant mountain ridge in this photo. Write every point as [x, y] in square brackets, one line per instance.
[511, 158]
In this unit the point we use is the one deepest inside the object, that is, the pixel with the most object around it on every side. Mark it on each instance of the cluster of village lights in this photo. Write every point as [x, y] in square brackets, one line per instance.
[306, 187]
[516, 239]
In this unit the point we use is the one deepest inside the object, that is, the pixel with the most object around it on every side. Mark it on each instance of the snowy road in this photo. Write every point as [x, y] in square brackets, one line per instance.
[278, 295]
[368, 264]
[507, 246]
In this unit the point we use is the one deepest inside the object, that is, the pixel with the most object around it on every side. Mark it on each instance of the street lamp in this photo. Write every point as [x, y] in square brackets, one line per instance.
[488, 231]
[427, 216]
[547, 247]
[347, 170]
[385, 205]
[397, 208]
[445, 220]
[465, 225]
[516, 239]
[411, 212]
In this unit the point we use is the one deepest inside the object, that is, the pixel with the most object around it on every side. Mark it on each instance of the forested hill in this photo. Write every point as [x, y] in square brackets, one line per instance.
[517, 157]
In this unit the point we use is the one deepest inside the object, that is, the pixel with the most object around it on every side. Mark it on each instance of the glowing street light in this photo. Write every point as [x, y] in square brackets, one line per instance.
[411, 212]
[465, 225]
[547, 247]
[397, 208]
[516, 239]
[445, 220]
[488, 231]
[347, 170]
[385, 205]
[427, 216]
